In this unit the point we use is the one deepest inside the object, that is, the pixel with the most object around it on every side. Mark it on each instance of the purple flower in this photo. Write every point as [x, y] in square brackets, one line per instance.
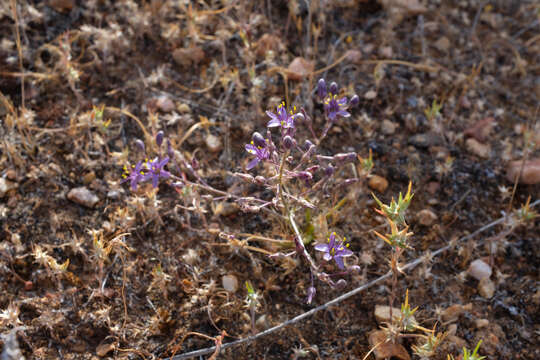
[261, 153]
[135, 175]
[335, 107]
[282, 118]
[335, 249]
[156, 171]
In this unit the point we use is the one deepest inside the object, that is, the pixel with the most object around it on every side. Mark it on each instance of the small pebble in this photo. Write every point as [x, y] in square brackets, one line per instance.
[443, 44]
[165, 104]
[104, 349]
[6, 185]
[378, 183]
[486, 288]
[529, 176]
[388, 127]
[386, 349]
[426, 217]
[479, 270]
[481, 323]
[477, 148]
[230, 283]
[382, 313]
[83, 196]
[213, 143]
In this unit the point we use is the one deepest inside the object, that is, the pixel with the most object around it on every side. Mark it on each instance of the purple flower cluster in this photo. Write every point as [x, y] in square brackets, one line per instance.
[334, 106]
[149, 169]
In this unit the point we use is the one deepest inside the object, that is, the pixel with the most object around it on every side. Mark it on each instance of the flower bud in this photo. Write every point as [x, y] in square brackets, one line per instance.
[288, 142]
[307, 118]
[345, 157]
[341, 283]
[258, 140]
[299, 117]
[310, 292]
[333, 88]
[140, 144]
[355, 100]
[307, 145]
[329, 171]
[321, 89]
[159, 138]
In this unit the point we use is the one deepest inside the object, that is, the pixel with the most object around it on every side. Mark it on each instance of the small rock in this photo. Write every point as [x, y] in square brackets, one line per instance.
[354, 56]
[453, 312]
[113, 194]
[451, 330]
[388, 127]
[443, 44]
[481, 323]
[386, 52]
[423, 141]
[89, 177]
[382, 313]
[104, 349]
[479, 270]
[529, 176]
[11, 175]
[477, 148]
[186, 57]
[370, 95]
[230, 283]
[6, 185]
[386, 350]
[426, 217]
[299, 68]
[213, 143]
[183, 108]
[11, 349]
[378, 183]
[481, 129]
[457, 341]
[486, 288]
[83, 196]
[165, 104]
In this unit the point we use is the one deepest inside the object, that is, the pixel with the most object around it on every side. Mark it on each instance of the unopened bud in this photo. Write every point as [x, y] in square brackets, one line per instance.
[311, 292]
[170, 150]
[307, 118]
[140, 144]
[341, 283]
[288, 142]
[355, 100]
[354, 269]
[329, 171]
[321, 89]
[300, 118]
[258, 140]
[307, 145]
[333, 88]
[159, 138]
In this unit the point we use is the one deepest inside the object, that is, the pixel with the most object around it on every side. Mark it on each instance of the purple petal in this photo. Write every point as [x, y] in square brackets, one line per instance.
[165, 174]
[321, 247]
[332, 242]
[343, 113]
[343, 252]
[155, 179]
[163, 162]
[339, 262]
[273, 123]
[252, 163]
[252, 149]
[342, 101]
[327, 256]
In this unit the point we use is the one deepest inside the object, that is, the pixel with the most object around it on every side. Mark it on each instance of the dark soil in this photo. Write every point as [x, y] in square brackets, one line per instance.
[205, 72]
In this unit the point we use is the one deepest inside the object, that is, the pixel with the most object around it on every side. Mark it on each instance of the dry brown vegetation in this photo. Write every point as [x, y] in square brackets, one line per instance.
[449, 100]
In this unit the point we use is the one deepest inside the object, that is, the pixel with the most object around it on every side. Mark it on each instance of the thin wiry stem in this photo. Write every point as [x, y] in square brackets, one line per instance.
[339, 299]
